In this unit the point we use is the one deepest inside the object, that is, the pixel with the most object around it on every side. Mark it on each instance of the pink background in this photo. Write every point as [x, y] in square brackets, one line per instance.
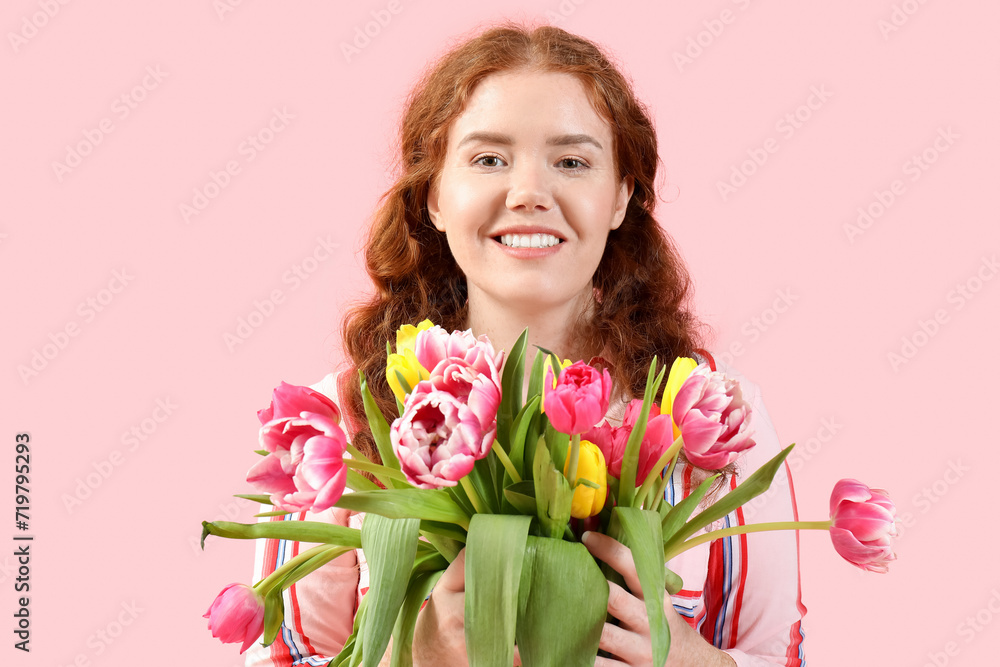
[115, 556]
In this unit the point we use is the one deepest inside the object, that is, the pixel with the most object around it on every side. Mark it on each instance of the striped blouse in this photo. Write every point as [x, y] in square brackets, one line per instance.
[741, 593]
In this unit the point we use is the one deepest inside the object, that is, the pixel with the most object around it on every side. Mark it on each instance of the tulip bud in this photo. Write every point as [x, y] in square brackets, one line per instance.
[236, 615]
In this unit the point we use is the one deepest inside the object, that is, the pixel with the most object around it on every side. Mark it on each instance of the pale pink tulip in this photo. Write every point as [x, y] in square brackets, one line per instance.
[612, 440]
[435, 345]
[579, 399]
[290, 400]
[864, 523]
[236, 615]
[439, 437]
[304, 469]
[713, 418]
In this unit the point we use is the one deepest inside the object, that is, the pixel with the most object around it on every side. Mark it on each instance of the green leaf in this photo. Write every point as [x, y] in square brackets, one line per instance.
[752, 486]
[562, 606]
[511, 386]
[536, 378]
[379, 427]
[274, 614]
[346, 654]
[423, 504]
[553, 497]
[630, 460]
[402, 634]
[298, 531]
[261, 498]
[680, 512]
[391, 547]
[519, 433]
[521, 496]
[642, 535]
[493, 557]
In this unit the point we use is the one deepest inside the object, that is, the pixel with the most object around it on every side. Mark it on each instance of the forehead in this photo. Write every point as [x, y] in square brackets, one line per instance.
[529, 104]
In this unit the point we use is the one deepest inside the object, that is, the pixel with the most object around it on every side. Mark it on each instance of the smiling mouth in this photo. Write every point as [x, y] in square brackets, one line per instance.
[528, 240]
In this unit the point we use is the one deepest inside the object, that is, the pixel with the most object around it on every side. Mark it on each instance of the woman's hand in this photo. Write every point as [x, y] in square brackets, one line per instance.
[439, 638]
[630, 642]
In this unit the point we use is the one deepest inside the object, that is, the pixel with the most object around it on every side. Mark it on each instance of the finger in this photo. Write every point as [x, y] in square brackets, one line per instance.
[628, 647]
[627, 608]
[615, 554]
[453, 579]
[517, 657]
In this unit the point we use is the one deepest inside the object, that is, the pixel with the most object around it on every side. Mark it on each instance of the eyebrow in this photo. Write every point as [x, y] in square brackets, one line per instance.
[507, 140]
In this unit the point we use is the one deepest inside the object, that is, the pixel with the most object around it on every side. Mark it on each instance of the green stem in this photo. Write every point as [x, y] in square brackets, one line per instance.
[470, 491]
[266, 584]
[653, 477]
[574, 459]
[356, 453]
[661, 488]
[751, 528]
[505, 460]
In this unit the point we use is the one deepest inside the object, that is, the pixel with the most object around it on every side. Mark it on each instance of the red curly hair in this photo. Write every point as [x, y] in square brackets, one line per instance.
[641, 287]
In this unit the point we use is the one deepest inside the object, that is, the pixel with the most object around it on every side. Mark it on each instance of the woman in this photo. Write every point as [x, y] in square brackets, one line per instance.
[526, 199]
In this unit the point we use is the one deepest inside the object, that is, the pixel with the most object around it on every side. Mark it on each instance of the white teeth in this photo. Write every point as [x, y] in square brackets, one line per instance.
[529, 240]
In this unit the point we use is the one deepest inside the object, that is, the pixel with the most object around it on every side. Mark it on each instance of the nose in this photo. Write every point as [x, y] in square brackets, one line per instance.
[530, 187]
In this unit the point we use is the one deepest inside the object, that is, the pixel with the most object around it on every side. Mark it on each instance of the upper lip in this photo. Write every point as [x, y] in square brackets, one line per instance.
[526, 229]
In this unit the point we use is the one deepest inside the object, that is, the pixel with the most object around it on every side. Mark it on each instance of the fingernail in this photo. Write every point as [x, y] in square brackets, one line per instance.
[585, 536]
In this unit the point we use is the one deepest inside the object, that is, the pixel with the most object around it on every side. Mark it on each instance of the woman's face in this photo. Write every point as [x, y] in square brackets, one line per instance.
[528, 191]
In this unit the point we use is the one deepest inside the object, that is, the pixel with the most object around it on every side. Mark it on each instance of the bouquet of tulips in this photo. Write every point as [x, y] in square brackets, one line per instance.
[469, 464]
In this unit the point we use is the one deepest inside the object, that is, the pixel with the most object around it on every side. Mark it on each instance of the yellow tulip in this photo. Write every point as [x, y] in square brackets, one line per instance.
[409, 368]
[679, 372]
[406, 336]
[588, 501]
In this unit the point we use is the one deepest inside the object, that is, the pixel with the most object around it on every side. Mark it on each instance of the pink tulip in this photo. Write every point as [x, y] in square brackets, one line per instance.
[289, 400]
[579, 400]
[864, 521]
[713, 418]
[236, 615]
[435, 345]
[304, 469]
[439, 436]
[612, 440]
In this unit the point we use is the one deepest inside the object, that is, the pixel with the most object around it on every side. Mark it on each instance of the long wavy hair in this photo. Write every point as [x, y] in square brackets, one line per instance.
[641, 287]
